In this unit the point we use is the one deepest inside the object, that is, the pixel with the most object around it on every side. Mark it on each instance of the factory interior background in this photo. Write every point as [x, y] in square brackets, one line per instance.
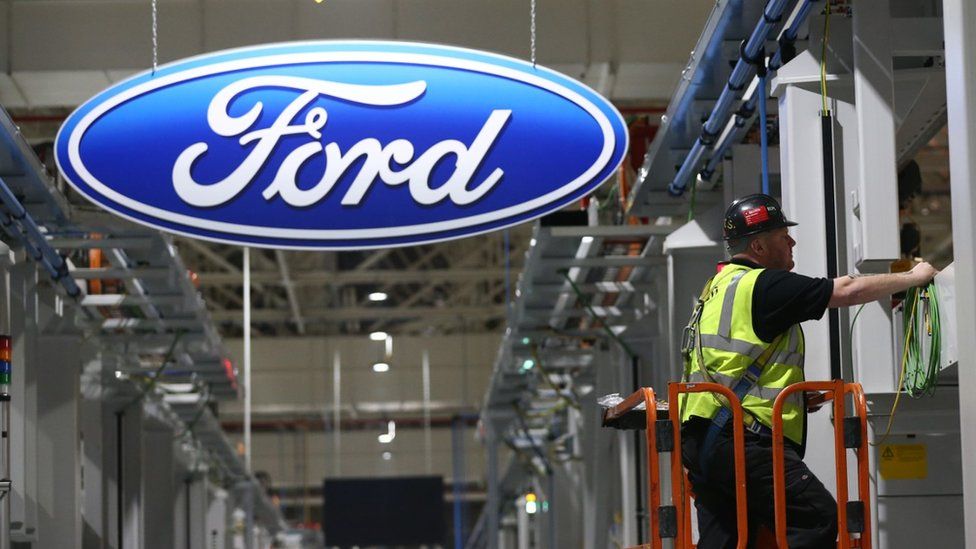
[456, 393]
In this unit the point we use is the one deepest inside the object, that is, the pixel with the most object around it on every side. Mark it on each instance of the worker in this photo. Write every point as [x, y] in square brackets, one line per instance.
[745, 334]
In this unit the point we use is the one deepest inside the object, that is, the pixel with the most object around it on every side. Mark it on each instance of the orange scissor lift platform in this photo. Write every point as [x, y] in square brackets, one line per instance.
[662, 424]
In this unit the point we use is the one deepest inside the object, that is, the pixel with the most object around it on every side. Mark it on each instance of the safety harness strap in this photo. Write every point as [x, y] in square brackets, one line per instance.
[748, 380]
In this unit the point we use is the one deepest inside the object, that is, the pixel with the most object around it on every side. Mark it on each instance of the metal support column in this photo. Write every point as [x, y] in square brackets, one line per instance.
[959, 20]
[457, 459]
[59, 519]
[524, 526]
[5, 469]
[628, 505]
[639, 511]
[876, 245]
[5, 264]
[249, 496]
[494, 495]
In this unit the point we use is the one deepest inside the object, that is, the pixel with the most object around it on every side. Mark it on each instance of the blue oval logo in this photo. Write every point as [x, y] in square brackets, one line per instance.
[341, 145]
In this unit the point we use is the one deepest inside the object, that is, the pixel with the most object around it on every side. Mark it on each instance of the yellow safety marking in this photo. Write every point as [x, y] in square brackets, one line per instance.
[903, 461]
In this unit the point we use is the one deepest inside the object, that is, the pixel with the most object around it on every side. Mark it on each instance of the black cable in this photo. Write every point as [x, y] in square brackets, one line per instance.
[528, 436]
[638, 477]
[830, 220]
[189, 535]
[585, 301]
[120, 473]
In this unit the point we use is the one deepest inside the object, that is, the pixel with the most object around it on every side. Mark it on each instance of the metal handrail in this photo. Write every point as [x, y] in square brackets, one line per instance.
[678, 486]
[837, 389]
[863, 464]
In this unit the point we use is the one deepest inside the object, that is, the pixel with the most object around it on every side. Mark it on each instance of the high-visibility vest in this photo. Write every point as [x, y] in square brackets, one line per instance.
[729, 345]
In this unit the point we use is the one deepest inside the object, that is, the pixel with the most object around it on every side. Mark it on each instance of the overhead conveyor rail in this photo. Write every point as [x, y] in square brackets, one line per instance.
[739, 124]
[580, 287]
[751, 56]
[696, 131]
[19, 167]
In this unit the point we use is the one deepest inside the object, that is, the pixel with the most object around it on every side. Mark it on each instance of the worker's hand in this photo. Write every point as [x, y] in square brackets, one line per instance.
[815, 400]
[923, 273]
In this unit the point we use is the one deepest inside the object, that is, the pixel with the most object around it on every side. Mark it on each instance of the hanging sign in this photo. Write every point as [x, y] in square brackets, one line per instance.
[341, 145]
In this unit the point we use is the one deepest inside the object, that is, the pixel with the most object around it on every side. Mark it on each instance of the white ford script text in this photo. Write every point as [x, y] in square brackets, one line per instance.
[413, 169]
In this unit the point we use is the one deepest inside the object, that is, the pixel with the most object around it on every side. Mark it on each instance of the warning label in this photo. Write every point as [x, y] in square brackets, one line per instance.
[903, 461]
[756, 215]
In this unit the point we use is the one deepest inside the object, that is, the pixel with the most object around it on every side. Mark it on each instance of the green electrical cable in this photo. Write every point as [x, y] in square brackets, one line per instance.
[159, 371]
[922, 330]
[923, 341]
[544, 373]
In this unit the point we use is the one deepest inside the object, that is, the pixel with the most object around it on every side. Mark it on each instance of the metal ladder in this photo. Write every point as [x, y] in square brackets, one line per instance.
[663, 435]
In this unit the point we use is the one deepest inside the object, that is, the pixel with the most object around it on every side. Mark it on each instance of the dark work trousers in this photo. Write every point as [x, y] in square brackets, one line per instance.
[811, 511]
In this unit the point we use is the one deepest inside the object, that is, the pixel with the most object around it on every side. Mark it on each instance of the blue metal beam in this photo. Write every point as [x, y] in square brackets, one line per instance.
[745, 113]
[20, 225]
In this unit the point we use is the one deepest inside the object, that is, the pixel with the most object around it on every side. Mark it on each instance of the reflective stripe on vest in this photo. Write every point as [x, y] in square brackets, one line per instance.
[730, 346]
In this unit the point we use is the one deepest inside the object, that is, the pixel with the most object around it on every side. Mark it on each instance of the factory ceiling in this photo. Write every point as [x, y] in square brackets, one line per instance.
[632, 52]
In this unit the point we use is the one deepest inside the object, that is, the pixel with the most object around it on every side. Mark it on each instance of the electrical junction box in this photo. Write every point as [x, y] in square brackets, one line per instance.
[945, 287]
[919, 467]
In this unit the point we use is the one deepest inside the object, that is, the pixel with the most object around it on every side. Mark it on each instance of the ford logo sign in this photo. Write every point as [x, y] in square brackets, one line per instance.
[341, 145]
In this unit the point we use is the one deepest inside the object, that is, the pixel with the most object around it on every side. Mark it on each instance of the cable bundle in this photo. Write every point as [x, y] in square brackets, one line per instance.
[923, 341]
[921, 356]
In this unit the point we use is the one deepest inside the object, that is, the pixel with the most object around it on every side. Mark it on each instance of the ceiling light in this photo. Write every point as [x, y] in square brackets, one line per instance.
[528, 364]
[388, 436]
[378, 296]
[387, 456]
[532, 242]
[378, 336]
[381, 367]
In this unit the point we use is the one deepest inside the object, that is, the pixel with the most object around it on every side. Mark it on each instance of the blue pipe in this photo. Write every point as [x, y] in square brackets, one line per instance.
[748, 108]
[11, 229]
[789, 35]
[750, 56]
[33, 240]
[690, 163]
[742, 117]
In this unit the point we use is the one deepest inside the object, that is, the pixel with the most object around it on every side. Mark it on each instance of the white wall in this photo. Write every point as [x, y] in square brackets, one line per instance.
[116, 34]
[293, 377]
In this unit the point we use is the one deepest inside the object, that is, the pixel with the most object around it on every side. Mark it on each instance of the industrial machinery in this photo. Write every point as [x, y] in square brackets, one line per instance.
[832, 106]
[109, 419]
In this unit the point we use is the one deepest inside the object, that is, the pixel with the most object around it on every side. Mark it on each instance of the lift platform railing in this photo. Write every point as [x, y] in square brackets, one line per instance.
[853, 517]
[663, 434]
[679, 486]
[646, 395]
